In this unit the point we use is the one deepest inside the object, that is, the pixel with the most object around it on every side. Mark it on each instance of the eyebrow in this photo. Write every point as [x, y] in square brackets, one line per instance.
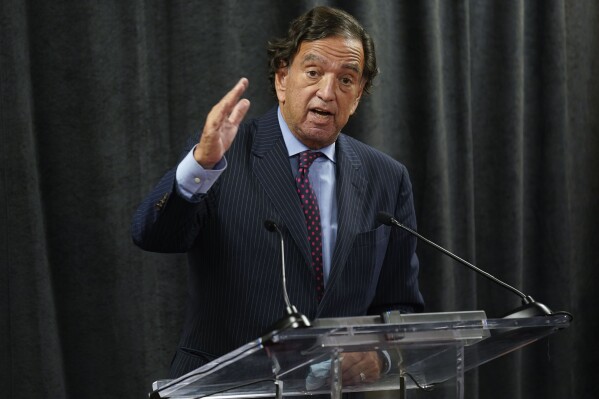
[313, 57]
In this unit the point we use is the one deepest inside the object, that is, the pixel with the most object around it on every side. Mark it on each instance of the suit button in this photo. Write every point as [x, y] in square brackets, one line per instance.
[162, 201]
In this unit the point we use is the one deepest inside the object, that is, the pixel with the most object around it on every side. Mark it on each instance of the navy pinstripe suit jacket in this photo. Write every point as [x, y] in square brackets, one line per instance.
[235, 289]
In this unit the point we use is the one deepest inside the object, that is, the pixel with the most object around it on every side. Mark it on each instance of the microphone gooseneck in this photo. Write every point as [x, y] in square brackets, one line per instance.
[272, 226]
[529, 308]
[293, 319]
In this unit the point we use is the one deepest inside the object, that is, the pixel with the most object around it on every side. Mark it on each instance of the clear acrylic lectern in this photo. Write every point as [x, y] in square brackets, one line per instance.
[428, 352]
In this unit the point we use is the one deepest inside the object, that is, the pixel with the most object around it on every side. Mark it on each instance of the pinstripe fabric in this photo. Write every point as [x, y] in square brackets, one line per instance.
[234, 288]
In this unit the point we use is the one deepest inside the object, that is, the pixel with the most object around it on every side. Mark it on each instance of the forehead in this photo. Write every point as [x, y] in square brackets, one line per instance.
[334, 50]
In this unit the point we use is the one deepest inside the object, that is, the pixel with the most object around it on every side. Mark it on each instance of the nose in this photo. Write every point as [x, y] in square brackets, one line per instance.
[326, 88]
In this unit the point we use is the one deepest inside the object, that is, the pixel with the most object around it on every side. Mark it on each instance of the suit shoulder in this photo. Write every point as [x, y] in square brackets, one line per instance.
[266, 123]
[370, 156]
[245, 136]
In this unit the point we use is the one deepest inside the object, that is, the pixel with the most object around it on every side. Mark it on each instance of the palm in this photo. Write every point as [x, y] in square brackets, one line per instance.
[221, 126]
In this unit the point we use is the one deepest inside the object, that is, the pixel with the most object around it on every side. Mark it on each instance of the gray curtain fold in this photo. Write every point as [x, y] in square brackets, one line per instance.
[490, 104]
[30, 333]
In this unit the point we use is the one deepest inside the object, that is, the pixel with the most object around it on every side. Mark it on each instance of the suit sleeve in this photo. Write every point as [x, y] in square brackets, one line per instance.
[398, 282]
[166, 221]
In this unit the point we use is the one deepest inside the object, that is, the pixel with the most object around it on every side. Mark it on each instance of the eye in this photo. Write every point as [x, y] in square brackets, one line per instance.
[312, 73]
[346, 81]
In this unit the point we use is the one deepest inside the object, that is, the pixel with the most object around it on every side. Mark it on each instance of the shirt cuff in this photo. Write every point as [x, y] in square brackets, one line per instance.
[193, 180]
[386, 359]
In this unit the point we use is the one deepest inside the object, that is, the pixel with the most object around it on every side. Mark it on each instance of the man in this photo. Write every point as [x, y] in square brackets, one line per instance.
[215, 203]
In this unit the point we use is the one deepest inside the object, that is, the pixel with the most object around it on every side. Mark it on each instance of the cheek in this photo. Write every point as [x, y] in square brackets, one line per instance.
[353, 105]
[300, 100]
[348, 108]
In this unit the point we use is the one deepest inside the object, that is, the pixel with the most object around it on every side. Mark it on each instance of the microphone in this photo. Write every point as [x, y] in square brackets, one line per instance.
[529, 308]
[293, 319]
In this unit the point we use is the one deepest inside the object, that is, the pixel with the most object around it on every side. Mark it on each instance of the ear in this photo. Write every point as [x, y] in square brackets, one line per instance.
[281, 82]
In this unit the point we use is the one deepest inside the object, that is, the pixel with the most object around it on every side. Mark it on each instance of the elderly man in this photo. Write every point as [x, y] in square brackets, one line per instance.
[292, 166]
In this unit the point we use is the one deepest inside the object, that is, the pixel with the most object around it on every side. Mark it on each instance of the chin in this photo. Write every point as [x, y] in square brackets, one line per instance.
[316, 142]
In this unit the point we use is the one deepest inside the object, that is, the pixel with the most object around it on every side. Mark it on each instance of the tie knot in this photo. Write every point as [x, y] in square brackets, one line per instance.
[306, 158]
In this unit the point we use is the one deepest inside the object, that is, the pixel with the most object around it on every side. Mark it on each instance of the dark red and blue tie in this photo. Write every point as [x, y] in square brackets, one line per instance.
[312, 215]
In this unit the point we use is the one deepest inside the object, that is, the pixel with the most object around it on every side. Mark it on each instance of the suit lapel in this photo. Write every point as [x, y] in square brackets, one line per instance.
[350, 198]
[272, 169]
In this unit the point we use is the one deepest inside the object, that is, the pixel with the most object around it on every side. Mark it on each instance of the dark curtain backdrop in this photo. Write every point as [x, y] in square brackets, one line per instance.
[492, 105]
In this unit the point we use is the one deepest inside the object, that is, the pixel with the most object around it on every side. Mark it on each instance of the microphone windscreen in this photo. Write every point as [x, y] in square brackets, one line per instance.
[270, 225]
[384, 218]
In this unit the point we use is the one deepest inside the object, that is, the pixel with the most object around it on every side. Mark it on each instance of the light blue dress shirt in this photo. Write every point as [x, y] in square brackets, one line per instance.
[322, 176]
[193, 180]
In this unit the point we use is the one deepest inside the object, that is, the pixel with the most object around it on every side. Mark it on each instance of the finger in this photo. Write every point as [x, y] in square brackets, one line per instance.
[350, 360]
[220, 112]
[357, 377]
[226, 105]
[351, 368]
[363, 368]
[239, 112]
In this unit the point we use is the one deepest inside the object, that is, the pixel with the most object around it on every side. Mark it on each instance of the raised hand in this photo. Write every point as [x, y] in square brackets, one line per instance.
[221, 126]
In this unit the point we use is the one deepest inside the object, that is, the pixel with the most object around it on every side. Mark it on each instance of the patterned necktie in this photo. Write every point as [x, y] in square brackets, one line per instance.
[312, 215]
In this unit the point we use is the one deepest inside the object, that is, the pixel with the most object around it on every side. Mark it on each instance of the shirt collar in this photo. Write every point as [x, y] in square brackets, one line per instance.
[294, 146]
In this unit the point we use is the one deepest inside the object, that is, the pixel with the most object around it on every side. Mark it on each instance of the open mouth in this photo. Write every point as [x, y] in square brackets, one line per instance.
[321, 112]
